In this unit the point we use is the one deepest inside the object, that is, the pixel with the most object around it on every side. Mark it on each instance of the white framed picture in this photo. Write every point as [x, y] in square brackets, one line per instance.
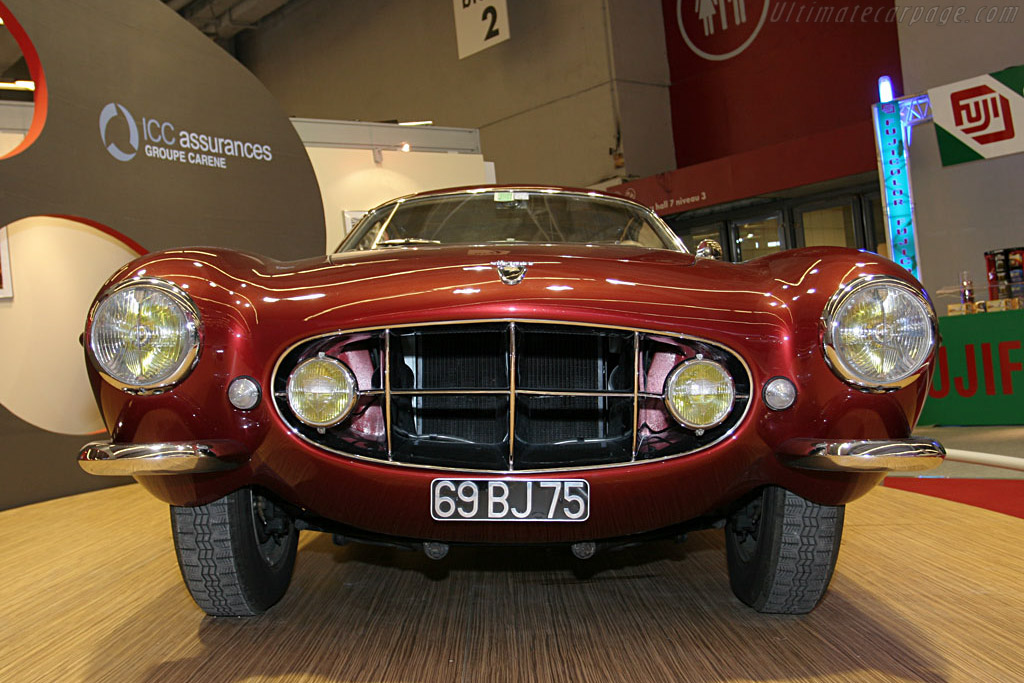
[6, 287]
[350, 218]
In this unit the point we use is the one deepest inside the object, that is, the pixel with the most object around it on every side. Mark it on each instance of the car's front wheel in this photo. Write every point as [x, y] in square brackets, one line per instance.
[782, 550]
[236, 554]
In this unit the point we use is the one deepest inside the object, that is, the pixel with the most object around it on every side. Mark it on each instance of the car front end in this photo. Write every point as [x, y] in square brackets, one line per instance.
[510, 393]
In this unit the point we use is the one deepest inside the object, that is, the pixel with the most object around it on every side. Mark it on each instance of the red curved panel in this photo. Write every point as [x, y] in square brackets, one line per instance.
[124, 239]
[35, 68]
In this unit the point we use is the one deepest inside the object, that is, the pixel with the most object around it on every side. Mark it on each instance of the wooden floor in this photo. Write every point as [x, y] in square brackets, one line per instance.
[925, 590]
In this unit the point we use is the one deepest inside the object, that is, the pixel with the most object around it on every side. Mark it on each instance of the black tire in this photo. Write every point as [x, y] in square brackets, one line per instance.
[236, 554]
[782, 550]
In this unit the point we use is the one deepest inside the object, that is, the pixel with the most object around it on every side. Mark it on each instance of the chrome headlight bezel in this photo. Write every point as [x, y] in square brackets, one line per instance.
[841, 367]
[193, 340]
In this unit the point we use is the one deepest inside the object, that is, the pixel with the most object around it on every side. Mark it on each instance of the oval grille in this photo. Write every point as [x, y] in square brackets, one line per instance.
[510, 395]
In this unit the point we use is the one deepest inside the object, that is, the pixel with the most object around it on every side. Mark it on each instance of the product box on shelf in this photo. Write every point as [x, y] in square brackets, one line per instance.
[965, 308]
[1005, 272]
[997, 305]
[990, 306]
[1015, 264]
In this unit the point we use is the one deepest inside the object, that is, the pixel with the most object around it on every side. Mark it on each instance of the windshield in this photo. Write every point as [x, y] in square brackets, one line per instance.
[510, 216]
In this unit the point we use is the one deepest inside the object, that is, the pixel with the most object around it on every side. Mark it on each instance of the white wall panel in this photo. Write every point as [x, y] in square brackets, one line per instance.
[57, 266]
[8, 141]
[351, 180]
[962, 211]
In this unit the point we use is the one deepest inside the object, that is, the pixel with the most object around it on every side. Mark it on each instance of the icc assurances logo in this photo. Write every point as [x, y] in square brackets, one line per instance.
[109, 114]
[982, 114]
[162, 140]
[720, 29]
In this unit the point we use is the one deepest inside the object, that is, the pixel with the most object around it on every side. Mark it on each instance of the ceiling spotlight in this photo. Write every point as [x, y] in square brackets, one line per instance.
[405, 147]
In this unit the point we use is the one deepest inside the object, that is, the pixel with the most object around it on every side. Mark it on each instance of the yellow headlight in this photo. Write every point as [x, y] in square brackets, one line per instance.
[699, 393]
[321, 391]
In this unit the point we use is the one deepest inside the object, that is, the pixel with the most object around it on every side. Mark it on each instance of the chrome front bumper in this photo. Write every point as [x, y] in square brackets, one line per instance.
[111, 459]
[897, 455]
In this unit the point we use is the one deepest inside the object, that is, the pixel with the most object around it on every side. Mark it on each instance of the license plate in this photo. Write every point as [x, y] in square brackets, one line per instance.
[510, 500]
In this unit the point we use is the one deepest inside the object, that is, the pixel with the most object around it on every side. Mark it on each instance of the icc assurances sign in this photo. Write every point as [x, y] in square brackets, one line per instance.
[126, 137]
[980, 118]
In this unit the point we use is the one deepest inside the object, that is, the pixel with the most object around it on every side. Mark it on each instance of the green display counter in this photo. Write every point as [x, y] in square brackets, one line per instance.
[979, 372]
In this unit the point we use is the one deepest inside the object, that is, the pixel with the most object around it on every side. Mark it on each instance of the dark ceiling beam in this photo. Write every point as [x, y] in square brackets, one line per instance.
[223, 19]
[243, 15]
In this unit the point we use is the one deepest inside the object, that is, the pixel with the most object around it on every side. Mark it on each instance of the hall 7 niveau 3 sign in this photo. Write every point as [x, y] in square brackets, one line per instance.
[980, 118]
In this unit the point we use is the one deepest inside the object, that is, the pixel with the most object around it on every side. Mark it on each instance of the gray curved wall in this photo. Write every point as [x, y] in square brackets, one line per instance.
[128, 95]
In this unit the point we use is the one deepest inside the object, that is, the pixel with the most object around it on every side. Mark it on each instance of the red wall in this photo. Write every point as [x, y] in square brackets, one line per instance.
[801, 90]
[795, 78]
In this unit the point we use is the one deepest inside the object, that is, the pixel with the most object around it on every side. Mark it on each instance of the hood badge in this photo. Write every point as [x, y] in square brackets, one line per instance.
[511, 272]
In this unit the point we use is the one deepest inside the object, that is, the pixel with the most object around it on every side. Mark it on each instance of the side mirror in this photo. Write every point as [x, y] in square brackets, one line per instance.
[710, 249]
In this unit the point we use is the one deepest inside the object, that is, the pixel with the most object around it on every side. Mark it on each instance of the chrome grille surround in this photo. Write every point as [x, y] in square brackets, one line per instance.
[406, 392]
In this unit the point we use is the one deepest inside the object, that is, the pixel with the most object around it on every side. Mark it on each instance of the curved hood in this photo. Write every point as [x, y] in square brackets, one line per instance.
[621, 286]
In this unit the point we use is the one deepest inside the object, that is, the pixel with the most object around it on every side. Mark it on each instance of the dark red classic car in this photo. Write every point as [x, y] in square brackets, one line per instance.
[509, 366]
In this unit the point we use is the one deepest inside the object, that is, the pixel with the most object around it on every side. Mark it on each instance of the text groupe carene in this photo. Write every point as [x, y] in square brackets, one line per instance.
[196, 158]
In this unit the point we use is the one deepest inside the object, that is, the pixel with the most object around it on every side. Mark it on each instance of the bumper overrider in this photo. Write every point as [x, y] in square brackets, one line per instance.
[110, 459]
[891, 455]
[897, 455]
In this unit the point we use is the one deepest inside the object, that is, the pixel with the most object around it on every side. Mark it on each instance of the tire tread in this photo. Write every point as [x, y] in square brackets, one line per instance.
[797, 547]
[209, 543]
[807, 556]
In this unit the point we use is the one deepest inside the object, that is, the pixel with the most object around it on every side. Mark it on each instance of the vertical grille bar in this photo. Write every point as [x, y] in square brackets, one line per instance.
[636, 390]
[387, 390]
[512, 395]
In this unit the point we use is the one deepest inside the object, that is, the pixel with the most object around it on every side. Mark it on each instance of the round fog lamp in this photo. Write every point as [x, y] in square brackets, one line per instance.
[321, 391]
[699, 393]
[244, 393]
[779, 393]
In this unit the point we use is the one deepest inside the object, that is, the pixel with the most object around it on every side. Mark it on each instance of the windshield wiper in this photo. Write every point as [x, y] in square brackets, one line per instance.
[402, 241]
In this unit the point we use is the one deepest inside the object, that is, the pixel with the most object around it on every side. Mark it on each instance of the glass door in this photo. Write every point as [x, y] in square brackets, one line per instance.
[832, 225]
[755, 237]
[874, 225]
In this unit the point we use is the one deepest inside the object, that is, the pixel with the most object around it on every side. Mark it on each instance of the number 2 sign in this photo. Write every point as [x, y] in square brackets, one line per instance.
[479, 24]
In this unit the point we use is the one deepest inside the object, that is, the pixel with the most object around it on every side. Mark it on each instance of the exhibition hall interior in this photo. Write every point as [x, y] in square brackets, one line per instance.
[511, 340]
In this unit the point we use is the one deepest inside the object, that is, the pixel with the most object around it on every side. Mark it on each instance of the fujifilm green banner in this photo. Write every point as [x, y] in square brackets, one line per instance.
[980, 118]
